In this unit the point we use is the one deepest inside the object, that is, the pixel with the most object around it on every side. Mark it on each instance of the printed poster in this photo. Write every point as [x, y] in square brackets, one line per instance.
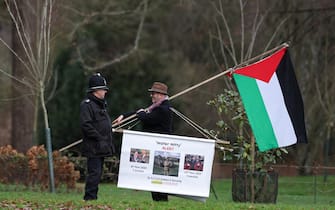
[166, 163]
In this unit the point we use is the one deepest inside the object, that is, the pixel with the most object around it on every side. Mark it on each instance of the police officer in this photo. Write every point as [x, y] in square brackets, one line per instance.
[96, 129]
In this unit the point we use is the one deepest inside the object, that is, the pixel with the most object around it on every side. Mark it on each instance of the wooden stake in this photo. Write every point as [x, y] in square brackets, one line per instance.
[252, 170]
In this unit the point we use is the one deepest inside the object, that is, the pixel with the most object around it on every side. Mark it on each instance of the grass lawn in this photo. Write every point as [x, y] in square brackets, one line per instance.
[294, 193]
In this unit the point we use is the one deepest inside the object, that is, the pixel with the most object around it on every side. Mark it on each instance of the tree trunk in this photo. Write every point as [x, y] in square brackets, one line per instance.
[5, 88]
[23, 111]
[265, 186]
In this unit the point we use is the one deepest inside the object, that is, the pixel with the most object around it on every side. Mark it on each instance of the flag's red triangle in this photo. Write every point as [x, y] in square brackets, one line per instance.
[264, 69]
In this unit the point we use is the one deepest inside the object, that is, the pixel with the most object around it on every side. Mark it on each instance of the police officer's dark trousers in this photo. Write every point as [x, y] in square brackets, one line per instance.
[94, 172]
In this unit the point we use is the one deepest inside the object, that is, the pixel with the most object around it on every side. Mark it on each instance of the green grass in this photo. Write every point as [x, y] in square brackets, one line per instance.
[294, 193]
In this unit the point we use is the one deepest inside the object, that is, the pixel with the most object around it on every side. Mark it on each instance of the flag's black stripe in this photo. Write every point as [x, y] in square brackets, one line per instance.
[292, 96]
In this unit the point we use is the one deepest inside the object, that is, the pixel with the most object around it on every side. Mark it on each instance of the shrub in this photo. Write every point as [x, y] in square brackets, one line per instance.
[32, 169]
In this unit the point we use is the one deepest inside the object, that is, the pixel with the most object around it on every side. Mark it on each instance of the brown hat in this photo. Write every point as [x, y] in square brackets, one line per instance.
[159, 87]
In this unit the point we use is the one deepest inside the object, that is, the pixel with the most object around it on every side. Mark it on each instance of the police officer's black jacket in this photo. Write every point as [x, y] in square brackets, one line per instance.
[96, 128]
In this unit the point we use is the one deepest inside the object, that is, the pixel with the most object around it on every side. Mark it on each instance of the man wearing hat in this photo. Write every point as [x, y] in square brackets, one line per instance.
[157, 118]
[96, 129]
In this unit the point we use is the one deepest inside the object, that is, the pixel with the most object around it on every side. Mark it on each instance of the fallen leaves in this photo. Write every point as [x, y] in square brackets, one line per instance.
[28, 205]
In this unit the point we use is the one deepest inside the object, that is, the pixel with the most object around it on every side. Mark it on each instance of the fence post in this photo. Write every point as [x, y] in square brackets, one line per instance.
[315, 187]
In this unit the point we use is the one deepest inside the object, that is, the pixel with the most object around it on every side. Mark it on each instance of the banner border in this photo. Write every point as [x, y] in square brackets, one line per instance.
[185, 138]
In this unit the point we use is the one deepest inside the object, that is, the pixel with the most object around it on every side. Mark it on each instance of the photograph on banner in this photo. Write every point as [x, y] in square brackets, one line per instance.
[173, 164]
[194, 162]
[139, 155]
[166, 163]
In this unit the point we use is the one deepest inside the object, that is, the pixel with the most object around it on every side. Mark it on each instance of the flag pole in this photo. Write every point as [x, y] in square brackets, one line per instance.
[230, 70]
[70, 145]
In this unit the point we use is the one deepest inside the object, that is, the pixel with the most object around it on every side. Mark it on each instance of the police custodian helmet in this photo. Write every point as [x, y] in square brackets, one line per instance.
[97, 82]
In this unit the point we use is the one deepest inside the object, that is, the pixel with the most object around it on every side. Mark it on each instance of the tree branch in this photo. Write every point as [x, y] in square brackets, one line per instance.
[125, 55]
[87, 18]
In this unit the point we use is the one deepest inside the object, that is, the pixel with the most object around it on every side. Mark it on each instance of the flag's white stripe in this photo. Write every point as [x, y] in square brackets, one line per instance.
[275, 106]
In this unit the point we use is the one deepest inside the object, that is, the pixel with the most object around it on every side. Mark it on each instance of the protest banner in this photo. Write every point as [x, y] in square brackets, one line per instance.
[166, 163]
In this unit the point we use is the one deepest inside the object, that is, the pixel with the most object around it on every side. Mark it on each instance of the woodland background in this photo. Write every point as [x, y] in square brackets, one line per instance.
[180, 42]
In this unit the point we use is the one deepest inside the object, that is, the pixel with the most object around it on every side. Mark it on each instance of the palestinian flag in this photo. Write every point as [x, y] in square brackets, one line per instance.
[272, 100]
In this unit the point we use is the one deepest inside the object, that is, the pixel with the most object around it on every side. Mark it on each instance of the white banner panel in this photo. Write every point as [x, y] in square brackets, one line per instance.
[166, 163]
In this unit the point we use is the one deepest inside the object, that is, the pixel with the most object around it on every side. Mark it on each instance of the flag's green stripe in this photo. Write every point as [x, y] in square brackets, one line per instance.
[256, 112]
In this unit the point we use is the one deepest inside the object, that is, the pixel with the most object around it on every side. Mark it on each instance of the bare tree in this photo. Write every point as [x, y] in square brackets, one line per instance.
[236, 38]
[316, 67]
[325, 90]
[35, 53]
[106, 13]
[236, 50]
[308, 29]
